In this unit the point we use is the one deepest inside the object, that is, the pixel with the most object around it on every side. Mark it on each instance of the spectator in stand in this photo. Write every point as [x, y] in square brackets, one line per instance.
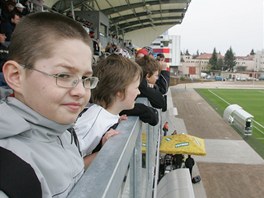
[141, 53]
[51, 77]
[3, 51]
[4, 89]
[7, 9]
[116, 91]
[114, 46]
[37, 5]
[8, 27]
[131, 48]
[22, 9]
[109, 48]
[95, 43]
[123, 52]
[163, 81]
[163, 64]
[150, 51]
[3, 58]
[27, 5]
[148, 87]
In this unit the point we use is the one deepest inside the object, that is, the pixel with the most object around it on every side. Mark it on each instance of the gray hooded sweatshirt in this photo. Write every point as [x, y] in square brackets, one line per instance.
[42, 143]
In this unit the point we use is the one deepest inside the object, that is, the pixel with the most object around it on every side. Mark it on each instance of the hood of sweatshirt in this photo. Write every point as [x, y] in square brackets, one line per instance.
[17, 118]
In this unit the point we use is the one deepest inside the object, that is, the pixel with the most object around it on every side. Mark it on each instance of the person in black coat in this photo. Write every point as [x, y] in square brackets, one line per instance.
[8, 26]
[178, 159]
[148, 87]
[3, 58]
[163, 81]
[189, 163]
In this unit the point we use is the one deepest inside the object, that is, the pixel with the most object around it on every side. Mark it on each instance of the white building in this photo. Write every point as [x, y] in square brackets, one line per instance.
[245, 63]
[169, 45]
[194, 66]
[259, 61]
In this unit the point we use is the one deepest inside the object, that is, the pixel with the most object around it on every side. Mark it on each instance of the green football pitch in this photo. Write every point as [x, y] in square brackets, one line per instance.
[251, 100]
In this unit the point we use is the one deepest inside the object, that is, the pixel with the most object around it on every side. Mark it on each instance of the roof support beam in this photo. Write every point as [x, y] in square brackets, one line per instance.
[130, 29]
[133, 23]
[141, 14]
[110, 11]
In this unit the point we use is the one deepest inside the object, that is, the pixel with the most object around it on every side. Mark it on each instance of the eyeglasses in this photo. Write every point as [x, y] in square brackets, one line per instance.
[66, 80]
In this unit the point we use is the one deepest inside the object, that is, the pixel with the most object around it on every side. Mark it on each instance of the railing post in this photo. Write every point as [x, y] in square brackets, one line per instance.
[136, 170]
[149, 161]
[152, 155]
[157, 165]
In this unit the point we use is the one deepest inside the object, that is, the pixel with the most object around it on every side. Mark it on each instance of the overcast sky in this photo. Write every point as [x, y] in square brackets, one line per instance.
[221, 24]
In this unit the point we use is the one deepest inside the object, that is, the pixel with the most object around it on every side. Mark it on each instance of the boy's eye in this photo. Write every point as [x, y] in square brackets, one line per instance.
[64, 76]
[85, 77]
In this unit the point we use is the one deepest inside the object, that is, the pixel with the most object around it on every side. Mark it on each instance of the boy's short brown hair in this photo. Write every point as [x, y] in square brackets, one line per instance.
[115, 74]
[149, 65]
[36, 34]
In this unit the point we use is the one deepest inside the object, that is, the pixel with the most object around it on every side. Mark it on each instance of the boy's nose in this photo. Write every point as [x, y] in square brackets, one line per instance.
[79, 89]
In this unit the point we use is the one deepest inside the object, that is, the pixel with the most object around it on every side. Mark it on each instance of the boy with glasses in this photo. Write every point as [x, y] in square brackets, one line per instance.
[51, 76]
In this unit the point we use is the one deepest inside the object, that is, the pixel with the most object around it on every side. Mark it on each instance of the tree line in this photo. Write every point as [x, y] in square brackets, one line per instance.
[217, 62]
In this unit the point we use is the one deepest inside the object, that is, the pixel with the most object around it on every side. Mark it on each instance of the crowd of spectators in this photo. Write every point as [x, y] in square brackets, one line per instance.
[11, 12]
[86, 23]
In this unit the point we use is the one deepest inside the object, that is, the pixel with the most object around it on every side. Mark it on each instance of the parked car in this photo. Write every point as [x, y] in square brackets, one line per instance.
[218, 78]
[261, 78]
[241, 78]
[252, 79]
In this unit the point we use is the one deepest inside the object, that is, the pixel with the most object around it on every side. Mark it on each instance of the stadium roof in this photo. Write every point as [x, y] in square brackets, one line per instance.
[130, 17]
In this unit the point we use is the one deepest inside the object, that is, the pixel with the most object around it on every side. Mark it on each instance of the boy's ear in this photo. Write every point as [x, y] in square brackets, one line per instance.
[12, 74]
[148, 76]
[120, 95]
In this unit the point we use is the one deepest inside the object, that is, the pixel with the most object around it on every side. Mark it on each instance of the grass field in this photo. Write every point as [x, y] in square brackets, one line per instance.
[251, 100]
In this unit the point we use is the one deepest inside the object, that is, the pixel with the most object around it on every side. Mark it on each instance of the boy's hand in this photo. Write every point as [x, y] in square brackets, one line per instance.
[109, 134]
[163, 65]
[123, 117]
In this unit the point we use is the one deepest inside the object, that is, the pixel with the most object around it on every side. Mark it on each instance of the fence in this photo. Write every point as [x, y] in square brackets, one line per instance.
[117, 170]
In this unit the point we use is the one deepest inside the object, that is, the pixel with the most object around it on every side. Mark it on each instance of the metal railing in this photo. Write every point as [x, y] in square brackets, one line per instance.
[117, 170]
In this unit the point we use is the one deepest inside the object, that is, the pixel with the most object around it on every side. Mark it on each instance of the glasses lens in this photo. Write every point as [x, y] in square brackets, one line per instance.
[69, 81]
[66, 80]
[90, 83]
